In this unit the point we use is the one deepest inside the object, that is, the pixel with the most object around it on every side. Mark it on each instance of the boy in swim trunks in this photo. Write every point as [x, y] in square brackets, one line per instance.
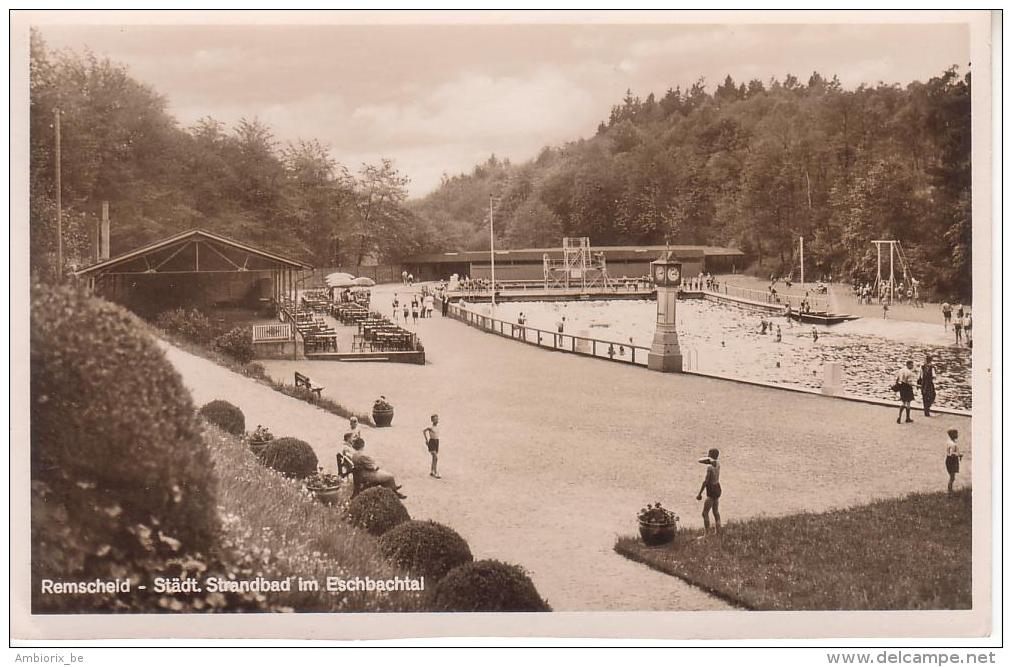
[431, 434]
[711, 484]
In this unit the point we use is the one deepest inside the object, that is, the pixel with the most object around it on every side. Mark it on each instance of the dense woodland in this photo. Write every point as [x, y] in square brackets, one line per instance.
[752, 165]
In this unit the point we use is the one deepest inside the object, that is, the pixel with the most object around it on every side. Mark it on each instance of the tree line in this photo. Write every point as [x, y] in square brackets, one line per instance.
[750, 165]
[754, 166]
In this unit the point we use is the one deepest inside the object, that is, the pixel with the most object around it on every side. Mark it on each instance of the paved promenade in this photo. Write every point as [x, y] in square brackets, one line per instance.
[546, 457]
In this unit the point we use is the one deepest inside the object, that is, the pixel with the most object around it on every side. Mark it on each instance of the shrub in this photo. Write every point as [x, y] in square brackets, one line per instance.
[425, 547]
[291, 457]
[237, 343]
[122, 481]
[190, 324]
[487, 585]
[377, 510]
[225, 416]
[255, 370]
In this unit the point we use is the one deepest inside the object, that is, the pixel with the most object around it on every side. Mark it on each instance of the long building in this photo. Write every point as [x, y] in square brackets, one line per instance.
[528, 263]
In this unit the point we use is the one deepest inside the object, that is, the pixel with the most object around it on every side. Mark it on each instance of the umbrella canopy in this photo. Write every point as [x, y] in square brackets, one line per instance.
[339, 280]
[364, 282]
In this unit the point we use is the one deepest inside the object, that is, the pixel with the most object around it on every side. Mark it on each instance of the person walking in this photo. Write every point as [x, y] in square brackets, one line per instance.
[446, 304]
[431, 434]
[957, 326]
[946, 314]
[905, 380]
[952, 456]
[414, 311]
[779, 337]
[396, 308]
[927, 384]
[404, 277]
[885, 309]
[968, 328]
[561, 327]
[711, 484]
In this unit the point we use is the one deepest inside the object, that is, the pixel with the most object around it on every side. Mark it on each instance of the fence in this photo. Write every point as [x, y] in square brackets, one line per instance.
[553, 340]
[269, 333]
[818, 304]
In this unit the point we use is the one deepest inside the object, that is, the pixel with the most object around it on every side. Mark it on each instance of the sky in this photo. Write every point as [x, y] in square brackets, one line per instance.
[441, 98]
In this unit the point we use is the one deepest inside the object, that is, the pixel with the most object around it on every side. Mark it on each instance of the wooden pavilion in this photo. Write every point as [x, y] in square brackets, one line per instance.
[195, 269]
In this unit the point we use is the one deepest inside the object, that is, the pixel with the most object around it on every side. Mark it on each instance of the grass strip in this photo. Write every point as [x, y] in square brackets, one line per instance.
[905, 553]
[256, 371]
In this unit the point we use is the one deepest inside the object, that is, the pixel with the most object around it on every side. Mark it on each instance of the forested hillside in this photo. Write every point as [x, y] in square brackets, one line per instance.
[120, 145]
[753, 166]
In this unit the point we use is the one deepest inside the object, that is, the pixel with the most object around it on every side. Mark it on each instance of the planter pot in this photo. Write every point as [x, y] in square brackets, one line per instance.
[258, 446]
[383, 417]
[656, 534]
[328, 495]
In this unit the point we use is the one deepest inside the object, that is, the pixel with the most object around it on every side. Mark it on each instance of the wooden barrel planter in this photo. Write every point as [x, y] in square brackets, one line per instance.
[382, 417]
[328, 495]
[258, 446]
[657, 534]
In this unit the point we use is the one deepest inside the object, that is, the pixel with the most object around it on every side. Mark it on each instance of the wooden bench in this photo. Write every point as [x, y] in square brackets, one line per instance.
[304, 381]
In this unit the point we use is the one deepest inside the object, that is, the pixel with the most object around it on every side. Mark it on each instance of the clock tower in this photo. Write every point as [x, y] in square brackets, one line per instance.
[665, 355]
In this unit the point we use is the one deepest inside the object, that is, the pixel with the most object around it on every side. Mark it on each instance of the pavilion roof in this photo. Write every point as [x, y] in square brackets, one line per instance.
[181, 253]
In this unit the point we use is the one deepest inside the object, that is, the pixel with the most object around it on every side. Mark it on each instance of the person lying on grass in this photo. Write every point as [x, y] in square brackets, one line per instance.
[711, 484]
[371, 473]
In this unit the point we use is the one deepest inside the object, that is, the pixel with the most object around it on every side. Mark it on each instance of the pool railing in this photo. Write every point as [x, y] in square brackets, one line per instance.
[552, 340]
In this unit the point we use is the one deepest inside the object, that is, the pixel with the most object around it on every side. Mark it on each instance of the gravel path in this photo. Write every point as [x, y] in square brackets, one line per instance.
[546, 457]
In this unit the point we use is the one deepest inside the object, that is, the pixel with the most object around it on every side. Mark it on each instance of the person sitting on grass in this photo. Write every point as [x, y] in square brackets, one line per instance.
[370, 473]
[711, 484]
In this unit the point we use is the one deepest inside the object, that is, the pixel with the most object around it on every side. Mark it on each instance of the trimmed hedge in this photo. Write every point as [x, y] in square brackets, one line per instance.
[487, 585]
[291, 457]
[122, 481]
[225, 416]
[377, 510]
[425, 547]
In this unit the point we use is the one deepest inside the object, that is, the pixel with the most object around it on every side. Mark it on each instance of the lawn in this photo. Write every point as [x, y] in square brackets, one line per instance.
[907, 553]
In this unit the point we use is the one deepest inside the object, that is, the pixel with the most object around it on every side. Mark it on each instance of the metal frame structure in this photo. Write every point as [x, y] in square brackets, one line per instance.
[895, 254]
[579, 267]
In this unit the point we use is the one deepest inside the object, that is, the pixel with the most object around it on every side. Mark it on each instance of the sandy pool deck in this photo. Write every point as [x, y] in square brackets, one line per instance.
[546, 457]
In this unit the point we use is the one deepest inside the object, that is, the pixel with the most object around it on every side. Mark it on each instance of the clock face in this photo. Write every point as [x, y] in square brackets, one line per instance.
[673, 274]
[659, 273]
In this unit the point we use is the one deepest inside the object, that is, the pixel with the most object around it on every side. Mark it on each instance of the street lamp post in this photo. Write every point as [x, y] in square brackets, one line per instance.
[491, 241]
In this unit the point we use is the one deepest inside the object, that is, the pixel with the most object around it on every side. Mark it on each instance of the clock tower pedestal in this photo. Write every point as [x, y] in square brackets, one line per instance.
[665, 354]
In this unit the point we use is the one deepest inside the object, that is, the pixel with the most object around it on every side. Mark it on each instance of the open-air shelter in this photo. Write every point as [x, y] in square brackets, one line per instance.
[195, 269]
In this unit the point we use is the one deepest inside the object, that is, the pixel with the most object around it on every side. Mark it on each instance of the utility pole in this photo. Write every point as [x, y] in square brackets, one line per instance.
[59, 201]
[491, 241]
[802, 261]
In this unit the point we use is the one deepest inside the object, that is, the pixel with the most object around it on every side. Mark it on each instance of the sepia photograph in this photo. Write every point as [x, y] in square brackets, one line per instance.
[456, 323]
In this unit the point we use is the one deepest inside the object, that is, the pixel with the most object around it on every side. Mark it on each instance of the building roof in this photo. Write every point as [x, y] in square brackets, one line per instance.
[614, 253]
[181, 254]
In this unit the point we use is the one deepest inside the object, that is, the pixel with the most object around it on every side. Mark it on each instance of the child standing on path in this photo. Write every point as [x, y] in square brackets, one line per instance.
[711, 484]
[952, 456]
[431, 434]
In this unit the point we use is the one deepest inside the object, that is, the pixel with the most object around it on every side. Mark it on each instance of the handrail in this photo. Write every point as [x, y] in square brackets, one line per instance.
[553, 340]
[766, 297]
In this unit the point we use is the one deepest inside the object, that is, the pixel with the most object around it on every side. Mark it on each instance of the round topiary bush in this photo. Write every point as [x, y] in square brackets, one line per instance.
[487, 585]
[377, 510]
[225, 416]
[121, 478]
[291, 457]
[425, 547]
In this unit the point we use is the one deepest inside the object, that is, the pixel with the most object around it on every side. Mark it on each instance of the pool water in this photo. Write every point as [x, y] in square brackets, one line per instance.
[726, 340]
